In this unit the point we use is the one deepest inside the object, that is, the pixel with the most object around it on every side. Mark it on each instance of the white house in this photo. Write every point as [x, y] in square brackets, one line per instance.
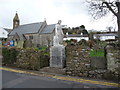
[104, 37]
[78, 37]
[3, 33]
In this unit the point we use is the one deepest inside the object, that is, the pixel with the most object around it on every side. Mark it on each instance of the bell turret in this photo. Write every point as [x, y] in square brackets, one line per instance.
[16, 21]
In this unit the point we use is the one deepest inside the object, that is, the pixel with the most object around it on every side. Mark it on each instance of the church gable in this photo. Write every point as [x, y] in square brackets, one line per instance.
[16, 37]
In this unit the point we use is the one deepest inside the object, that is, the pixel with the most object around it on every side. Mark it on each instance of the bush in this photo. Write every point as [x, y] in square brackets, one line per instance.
[67, 41]
[9, 56]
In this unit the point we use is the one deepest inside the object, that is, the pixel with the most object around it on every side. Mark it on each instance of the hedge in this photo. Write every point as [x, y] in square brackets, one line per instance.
[9, 56]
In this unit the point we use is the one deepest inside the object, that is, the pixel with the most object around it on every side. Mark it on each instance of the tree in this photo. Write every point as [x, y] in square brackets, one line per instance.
[99, 8]
[84, 31]
[109, 28]
[82, 26]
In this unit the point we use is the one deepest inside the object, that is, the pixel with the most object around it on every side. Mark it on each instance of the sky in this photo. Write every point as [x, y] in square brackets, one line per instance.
[73, 13]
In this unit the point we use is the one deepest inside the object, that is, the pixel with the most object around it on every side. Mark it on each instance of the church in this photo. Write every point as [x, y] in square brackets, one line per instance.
[31, 35]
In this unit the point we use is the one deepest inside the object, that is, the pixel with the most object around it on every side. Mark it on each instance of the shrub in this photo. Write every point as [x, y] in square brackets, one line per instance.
[9, 56]
[67, 41]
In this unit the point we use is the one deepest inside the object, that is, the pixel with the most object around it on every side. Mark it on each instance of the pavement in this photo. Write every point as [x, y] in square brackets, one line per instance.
[15, 78]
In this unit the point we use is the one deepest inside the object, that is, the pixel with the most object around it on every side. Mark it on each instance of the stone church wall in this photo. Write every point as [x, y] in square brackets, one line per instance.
[46, 39]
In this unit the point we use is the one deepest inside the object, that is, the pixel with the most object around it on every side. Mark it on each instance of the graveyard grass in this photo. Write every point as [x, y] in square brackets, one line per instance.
[98, 53]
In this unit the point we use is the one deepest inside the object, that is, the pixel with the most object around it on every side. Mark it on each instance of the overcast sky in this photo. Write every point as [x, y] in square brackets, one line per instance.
[72, 13]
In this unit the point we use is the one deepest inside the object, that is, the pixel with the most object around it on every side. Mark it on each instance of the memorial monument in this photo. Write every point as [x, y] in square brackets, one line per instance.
[57, 51]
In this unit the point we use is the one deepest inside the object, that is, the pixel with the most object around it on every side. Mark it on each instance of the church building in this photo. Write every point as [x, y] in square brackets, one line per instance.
[31, 35]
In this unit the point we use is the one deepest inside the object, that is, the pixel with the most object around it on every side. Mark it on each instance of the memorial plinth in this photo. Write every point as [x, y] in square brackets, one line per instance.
[57, 56]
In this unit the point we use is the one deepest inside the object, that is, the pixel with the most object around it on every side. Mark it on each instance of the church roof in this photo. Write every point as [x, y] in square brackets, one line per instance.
[48, 29]
[27, 28]
[33, 28]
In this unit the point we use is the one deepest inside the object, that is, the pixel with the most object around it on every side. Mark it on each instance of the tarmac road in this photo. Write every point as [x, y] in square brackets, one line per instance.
[20, 79]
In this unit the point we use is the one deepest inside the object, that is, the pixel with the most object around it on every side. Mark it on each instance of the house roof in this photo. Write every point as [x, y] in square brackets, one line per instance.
[48, 29]
[3, 33]
[109, 34]
[76, 35]
[27, 28]
[8, 30]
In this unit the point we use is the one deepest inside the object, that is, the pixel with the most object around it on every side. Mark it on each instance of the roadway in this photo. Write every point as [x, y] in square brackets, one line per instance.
[13, 78]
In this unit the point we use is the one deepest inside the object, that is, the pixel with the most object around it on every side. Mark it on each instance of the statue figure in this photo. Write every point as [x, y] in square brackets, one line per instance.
[58, 38]
[57, 51]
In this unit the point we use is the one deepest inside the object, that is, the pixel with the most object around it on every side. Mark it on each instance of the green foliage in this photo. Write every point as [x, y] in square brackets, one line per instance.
[69, 32]
[37, 49]
[9, 55]
[85, 31]
[46, 54]
[67, 41]
[82, 26]
[97, 53]
[43, 48]
[73, 33]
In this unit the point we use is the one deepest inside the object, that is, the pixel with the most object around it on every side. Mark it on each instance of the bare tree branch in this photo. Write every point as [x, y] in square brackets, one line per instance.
[100, 8]
[110, 8]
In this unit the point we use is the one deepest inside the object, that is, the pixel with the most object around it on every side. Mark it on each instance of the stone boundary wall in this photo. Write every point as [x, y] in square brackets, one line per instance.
[113, 58]
[78, 63]
[25, 58]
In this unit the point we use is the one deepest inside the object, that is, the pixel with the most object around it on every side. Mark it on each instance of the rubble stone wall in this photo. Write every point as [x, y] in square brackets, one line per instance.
[78, 63]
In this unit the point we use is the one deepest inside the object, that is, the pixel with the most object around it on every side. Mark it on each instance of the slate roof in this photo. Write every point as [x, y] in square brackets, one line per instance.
[76, 35]
[48, 29]
[109, 34]
[27, 28]
[8, 30]
[33, 28]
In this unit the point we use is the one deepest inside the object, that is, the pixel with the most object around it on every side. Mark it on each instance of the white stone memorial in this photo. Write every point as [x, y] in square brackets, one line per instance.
[57, 51]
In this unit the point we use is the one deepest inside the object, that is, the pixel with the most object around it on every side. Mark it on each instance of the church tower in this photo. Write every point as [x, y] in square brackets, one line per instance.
[16, 21]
